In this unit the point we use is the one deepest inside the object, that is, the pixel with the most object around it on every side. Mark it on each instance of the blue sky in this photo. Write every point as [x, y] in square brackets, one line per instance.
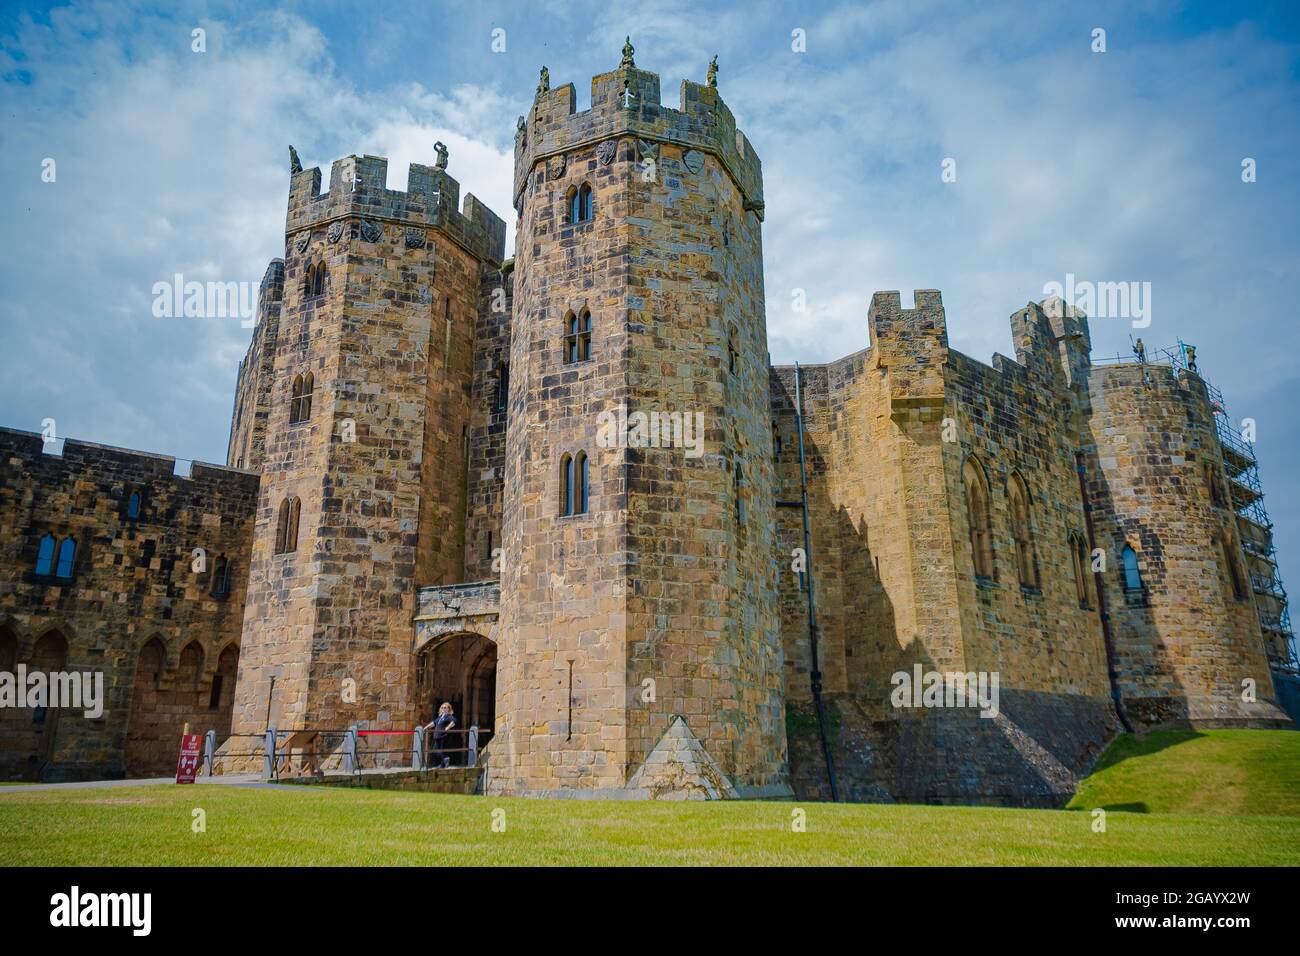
[1115, 166]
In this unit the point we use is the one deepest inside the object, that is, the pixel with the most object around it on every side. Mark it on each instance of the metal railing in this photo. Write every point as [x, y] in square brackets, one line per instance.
[351, 751]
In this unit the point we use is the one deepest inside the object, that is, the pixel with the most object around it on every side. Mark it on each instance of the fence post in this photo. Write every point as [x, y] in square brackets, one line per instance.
[471, 758]
[417, 748]
[350, 751]
[269, 748]
[209, 749]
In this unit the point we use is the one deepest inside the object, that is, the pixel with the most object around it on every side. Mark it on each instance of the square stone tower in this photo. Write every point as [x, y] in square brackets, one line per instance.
[362, 408]
[639, 642]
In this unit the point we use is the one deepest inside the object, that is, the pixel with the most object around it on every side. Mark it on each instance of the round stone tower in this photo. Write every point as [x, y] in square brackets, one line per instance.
[639, 649]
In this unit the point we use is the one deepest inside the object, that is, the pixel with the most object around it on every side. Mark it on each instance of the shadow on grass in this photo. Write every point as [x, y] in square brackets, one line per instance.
[1138, 807]
[1126, 746]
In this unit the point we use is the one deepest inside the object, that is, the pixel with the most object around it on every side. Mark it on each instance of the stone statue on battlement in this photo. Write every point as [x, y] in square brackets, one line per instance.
[441, 149]
[628, 50]
[713, 72]
[295, 164]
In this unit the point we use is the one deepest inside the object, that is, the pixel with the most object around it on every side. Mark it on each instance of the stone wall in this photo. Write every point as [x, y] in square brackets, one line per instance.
[133, 608]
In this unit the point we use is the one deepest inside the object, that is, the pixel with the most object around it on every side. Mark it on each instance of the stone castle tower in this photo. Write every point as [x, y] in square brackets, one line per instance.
[638, 624]
[354, 404]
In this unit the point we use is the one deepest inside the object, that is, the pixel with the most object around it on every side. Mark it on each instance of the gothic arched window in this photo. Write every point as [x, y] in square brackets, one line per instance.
[580, 204]
[1026, 564]
[300, 403]
[977, 512]
[45, 555]
[133, 505]
[67, 555]
[1079, 558]
[1132, 574]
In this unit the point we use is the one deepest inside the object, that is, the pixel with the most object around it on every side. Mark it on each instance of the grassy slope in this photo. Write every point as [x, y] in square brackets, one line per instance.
[316, 826]
[1209, 797]
[1216, 772]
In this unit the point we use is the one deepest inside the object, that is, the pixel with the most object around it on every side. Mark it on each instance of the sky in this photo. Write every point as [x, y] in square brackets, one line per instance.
[1115, 166]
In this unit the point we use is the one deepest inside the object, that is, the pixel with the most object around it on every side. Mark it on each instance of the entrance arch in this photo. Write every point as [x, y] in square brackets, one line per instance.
[461, 670]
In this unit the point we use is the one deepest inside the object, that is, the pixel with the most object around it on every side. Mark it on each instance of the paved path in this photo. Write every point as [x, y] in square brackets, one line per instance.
[228, 780]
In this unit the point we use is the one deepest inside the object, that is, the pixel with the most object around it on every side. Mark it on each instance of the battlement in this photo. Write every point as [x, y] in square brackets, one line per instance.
[358, 189]
[625, 102]
[78, 456]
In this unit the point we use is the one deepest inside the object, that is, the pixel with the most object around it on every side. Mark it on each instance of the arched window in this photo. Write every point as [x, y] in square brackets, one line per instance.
[566, 485]
[1079, 558]
[583, 478]
[67, 556]
[282, 527]
[1026, 562]
[1129, 562]
[220, 586]
[577, 337]
[45, 555]
[1235, 576]
[575, 484]
[314, 283]
[580, 204]
[977, 512]
[300, 403]
[503, 387]
[1217, 497]
[740, 493]
[133, 505]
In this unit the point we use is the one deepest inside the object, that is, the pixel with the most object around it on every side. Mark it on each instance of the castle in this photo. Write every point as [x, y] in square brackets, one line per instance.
[440, 486]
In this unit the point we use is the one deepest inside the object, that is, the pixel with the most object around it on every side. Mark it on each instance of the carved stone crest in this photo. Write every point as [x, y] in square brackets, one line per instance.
[304, 241]
[646, 150]
[605, 151]
[371, 231]
[693, 160]
[336, 231]
[555, 167]
[414, 238]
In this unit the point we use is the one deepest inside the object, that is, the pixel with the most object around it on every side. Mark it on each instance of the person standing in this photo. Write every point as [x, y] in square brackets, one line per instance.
[442, 726]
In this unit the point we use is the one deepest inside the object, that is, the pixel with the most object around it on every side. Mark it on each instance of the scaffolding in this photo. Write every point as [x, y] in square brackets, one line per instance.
[1247, 498]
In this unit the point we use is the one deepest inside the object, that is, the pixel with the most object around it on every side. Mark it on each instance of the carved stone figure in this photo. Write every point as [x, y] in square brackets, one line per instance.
[713, 72]
[628, 50]
[544, 82]
[295, 165]
[441, 149]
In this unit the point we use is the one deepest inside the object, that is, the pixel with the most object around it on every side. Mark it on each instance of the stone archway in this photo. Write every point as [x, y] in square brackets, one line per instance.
[459, 669]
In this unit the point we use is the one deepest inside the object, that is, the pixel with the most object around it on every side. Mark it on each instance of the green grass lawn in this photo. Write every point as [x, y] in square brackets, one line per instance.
[1215, 772]
[1253, 821]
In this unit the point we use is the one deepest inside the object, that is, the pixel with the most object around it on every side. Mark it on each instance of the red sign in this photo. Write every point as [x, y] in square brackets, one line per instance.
[187, 767]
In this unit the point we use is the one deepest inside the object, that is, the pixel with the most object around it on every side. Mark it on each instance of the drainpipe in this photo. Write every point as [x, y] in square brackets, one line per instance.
[1099, 580]
[816, 674]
